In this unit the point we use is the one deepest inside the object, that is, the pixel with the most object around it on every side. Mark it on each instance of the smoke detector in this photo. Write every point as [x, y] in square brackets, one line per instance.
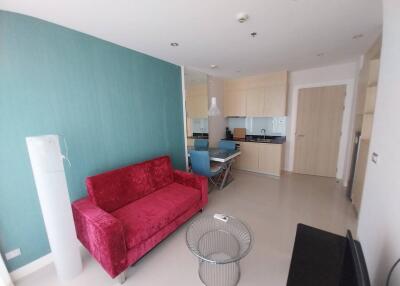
[242, 17]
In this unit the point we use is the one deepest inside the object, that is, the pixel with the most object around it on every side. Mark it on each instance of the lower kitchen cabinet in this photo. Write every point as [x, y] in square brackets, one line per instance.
[190, 142]
[260, 157]
[248, 159]
[270, 158]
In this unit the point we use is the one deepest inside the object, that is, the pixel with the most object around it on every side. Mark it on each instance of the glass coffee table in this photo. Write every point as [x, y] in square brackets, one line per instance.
[220, 242]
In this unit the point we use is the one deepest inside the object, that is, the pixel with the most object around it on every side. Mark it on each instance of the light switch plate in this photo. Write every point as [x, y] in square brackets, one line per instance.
[13, 253]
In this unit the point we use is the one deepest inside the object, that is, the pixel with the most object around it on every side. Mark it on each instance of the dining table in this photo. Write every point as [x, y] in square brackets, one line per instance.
[223, 156]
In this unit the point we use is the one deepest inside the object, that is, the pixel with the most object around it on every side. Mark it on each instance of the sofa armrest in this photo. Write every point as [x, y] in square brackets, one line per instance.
[102, 234]
[194, 181]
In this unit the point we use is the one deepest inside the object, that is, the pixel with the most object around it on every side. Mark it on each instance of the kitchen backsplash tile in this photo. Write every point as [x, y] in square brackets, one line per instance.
[274, 126]
[200, 125]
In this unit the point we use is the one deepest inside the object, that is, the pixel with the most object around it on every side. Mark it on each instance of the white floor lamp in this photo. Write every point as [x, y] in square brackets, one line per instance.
[5, 279]
[48, 172]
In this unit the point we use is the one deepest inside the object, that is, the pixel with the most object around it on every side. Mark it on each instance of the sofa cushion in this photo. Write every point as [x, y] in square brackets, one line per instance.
[143, 218]
[114, 189]
[162, 173]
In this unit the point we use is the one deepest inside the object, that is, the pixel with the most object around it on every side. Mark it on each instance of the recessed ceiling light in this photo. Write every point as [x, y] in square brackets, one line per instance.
[213, 66]
[253, 34]
[242, 17]
[320, 55]
[358, 36]
[174, 44]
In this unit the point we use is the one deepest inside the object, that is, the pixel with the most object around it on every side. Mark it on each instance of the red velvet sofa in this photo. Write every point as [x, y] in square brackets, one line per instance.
[130, 210]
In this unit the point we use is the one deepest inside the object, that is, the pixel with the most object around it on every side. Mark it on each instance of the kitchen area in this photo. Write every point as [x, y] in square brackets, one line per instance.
[254, 116]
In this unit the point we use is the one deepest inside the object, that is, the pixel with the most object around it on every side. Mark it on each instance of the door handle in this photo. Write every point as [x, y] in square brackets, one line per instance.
[300, 135]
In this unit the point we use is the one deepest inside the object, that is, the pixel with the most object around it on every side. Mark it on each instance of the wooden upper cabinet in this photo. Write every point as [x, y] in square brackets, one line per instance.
[256, 96]
[275, 100]
[196, 106]
[234, 103]
[255, 102]
[197, 101]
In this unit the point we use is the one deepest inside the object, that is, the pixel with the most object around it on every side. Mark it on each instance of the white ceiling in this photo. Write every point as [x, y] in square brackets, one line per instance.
[290, 32]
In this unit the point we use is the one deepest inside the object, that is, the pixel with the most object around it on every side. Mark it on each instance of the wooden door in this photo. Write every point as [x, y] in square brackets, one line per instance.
[318, 130]
[359, 176]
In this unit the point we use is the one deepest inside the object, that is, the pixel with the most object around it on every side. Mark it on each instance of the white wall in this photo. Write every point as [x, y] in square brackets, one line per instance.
[379, 219]
[199, 125]
[324, 76]
[216, 124]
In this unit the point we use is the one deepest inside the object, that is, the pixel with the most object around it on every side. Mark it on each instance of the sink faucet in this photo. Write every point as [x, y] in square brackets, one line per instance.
[263, 132]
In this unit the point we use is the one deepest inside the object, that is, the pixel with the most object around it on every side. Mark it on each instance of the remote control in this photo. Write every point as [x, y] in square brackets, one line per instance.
[221, 217]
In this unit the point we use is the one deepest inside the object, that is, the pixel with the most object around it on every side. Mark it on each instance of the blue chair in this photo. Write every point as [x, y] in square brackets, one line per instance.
[201, 166]
[227, 145]
[201, 143]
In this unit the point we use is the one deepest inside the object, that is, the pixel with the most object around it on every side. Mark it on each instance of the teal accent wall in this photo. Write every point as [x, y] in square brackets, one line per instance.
[114, 106]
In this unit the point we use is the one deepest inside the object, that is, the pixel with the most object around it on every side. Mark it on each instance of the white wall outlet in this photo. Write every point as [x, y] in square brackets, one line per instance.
[13, 253]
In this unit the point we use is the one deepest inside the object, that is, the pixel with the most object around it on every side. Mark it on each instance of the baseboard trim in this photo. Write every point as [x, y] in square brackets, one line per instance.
[32, 267]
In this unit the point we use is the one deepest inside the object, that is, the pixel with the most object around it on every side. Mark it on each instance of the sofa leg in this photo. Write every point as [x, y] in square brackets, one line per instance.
[121, 278]
[201, 210]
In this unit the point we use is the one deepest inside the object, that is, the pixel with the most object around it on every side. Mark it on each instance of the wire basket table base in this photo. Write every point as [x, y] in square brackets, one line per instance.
[219, 246]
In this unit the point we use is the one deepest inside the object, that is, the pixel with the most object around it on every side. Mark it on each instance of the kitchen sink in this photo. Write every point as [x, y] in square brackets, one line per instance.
[261, 140]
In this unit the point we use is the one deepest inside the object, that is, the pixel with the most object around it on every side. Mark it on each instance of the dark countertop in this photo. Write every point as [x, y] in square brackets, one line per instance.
[261, 139]
[198, 136]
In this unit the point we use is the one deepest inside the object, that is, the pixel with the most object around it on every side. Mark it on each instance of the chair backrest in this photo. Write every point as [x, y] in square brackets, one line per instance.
[200, 143]
[227, 145]
[200, 162]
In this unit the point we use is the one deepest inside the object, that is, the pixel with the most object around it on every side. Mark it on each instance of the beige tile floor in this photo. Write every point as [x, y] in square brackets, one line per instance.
[271, 207]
